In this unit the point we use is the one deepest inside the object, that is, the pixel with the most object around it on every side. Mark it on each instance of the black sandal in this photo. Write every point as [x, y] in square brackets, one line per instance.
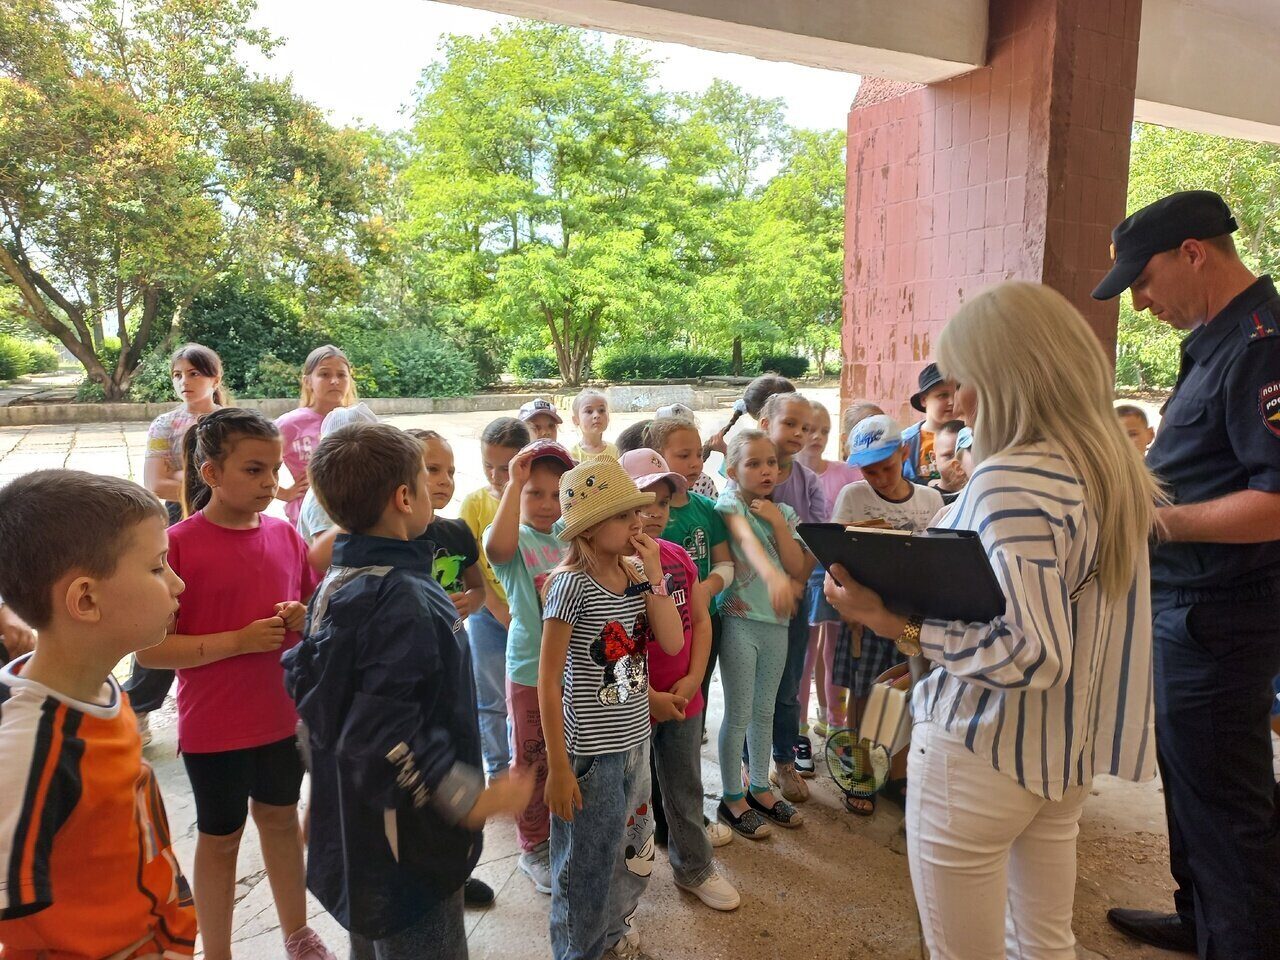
[782, 813]
[750, 825]
[860, 811]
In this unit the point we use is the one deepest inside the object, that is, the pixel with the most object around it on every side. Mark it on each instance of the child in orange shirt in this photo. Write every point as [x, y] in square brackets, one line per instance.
[85, 855]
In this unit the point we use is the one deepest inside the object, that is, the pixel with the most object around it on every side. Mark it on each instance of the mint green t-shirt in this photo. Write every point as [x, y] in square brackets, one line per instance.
[522, 578]
[698, 528]
[748, 595]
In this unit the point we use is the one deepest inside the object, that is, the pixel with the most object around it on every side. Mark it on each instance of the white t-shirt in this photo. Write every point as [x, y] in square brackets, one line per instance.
[858, 501]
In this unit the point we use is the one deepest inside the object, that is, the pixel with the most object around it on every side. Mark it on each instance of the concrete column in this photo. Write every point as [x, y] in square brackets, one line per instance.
[1017, 170]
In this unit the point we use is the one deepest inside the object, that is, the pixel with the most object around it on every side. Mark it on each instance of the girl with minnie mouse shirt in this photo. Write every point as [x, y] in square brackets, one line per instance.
[602, 608]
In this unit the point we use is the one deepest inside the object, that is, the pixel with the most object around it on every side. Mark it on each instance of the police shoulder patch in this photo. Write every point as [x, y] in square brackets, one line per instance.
[1262, 323]
[1269, 406]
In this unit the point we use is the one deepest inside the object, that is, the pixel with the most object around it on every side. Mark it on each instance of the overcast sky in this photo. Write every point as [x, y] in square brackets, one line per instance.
[360, 60]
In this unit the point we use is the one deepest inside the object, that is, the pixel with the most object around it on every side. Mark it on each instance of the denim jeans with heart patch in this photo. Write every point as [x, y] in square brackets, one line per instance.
[601, 860]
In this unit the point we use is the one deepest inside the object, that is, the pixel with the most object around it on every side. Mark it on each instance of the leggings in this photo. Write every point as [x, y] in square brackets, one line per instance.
[752, 656]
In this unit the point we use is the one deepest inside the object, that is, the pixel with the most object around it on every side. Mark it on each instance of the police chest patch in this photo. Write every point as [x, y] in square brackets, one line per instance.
[1269, 406]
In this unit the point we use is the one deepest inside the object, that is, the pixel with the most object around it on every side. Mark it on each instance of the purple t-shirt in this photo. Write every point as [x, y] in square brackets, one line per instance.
[835, 478]
[802, 492]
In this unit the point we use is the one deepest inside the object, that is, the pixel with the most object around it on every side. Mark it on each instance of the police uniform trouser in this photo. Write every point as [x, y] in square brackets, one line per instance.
[1214, 664]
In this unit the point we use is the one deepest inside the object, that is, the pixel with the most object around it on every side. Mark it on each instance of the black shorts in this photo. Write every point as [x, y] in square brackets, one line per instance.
[222, 783]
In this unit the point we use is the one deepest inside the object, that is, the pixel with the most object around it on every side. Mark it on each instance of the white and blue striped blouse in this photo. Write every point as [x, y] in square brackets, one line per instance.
[1053, 691]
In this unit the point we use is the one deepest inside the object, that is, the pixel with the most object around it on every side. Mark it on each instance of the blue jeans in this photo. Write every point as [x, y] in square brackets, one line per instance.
[602, 858]
[488, 639]
[786, 709]
[677, 754]
[439, 933]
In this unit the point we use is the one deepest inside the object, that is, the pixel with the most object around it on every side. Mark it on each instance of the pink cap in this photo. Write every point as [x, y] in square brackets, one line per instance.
[646, 467]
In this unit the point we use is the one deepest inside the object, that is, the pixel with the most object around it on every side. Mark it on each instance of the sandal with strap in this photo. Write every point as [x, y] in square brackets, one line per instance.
[860, 811]
[781, 813]
[750, 825]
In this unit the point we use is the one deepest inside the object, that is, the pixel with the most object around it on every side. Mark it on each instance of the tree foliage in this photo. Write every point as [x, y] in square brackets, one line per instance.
[139, 160]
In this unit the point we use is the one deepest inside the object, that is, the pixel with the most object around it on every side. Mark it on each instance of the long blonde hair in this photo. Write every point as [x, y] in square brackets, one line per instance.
[327, 352]
[1056, 385]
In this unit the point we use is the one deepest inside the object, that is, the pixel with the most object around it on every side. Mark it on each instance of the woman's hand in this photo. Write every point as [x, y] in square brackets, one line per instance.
[854, 602]
[561, 793]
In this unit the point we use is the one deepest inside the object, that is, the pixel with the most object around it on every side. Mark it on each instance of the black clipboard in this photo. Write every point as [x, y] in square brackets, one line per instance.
[939, 575]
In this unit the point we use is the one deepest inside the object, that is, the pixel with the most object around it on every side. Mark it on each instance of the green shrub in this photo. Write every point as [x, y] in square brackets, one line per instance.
[414, 363]
[153, 380]
[272, 378]
[44, 357]
[15, 358]
[638, 363]
[243, 322]
[534, 365]
[784, 364]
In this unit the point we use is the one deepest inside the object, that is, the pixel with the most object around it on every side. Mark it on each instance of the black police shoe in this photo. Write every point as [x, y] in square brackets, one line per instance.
[476, 893]
[1168, 931]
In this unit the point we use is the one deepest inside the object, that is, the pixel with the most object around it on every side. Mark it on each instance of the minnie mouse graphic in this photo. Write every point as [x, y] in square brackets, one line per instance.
[622, 655]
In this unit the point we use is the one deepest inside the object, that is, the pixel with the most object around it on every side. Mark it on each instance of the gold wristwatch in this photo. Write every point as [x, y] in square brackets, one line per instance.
[908, 641]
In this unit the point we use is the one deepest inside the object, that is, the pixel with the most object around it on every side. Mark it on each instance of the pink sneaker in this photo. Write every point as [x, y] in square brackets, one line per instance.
[305, 944]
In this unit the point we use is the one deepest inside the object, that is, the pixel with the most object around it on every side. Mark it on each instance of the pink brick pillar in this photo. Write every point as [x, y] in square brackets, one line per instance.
[1017, 170]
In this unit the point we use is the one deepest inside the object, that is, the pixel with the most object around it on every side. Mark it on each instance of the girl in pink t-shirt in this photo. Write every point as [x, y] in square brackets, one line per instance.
[327, 383]
[248, 581]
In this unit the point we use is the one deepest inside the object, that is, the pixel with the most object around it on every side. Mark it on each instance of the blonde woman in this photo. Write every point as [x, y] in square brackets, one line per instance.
[1016, 716]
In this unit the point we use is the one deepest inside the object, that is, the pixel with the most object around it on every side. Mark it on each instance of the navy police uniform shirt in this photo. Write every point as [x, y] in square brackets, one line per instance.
[1220, 433]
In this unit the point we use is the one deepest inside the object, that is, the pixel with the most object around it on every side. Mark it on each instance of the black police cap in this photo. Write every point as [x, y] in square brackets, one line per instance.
[1161, 226]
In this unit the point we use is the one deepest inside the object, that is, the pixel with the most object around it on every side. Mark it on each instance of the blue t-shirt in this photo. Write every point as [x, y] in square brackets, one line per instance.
[522, 578]
[748, 595]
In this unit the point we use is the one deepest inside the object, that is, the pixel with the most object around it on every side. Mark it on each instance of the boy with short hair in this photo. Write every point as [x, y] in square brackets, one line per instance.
[383, 683]
[885, 495]
[542, 418]
[1133, 419]
[86, 865]
[935, 398]
[952, 475]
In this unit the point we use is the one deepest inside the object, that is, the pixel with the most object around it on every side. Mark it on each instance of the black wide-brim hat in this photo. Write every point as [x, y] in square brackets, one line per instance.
[1161, 226]
[930, 377]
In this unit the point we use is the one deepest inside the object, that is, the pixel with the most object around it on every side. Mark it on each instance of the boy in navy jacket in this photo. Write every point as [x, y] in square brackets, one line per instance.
[385, 689]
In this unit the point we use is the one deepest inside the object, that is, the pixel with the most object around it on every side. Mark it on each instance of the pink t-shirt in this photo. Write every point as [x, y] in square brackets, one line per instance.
[300, 431]
[234, 577]
[835, 478]
[664, 670]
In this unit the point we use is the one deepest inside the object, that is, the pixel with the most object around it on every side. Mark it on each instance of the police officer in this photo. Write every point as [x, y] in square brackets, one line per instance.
[1215, 570]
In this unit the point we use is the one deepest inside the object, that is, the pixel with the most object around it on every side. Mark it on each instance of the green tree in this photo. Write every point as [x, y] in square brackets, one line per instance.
[550, 186]
[139, 160]
[1247, 174]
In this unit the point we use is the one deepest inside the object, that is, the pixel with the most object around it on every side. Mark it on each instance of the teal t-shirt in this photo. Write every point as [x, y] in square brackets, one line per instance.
[748, 595]
[522, 578]
[698, 528]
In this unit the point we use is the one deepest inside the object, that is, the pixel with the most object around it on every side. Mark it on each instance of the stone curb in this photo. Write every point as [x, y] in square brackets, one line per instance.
[25, 415]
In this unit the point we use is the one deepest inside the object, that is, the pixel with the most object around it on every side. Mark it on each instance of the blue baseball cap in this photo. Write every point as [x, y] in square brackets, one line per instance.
[874, 439]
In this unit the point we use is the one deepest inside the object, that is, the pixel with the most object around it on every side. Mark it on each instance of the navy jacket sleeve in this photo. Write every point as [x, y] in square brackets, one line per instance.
[394, 753]
[1253, 388]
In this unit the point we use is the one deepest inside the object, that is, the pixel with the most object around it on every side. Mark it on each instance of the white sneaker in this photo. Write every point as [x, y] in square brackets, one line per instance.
[715, 891]
[718, 834]
[536, 865]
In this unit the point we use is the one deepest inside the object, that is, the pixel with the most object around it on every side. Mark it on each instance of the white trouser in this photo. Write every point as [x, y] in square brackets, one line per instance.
[993, 865]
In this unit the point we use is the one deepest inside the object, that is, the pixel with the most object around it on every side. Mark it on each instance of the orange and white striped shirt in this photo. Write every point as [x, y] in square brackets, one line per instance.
[86, 865]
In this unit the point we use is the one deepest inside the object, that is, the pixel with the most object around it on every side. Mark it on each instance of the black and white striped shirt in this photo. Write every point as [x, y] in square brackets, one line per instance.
[1054, 691]
[606, 675]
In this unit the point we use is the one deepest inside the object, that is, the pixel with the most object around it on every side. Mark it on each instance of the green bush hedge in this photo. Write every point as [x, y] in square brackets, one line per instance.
[638, 363]
[272, 377]
[534, 365]
[15, 358]
[414, 363]
[44, 357]
[784, 364]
